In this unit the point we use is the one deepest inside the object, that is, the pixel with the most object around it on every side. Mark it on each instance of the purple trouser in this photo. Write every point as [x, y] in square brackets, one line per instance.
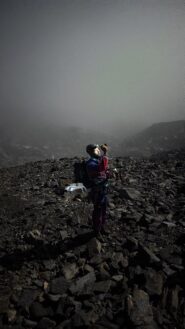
[99, 200]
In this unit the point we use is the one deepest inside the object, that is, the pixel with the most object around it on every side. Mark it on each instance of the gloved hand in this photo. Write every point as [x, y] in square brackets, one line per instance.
[104, 148]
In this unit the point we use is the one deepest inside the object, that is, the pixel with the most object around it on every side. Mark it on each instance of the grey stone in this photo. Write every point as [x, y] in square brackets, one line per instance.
[118, 260]
[63, 234]
[94, 247]
[53, 298]
[82, 283]
[70, 270]
[131, 243]
[129, 193]
[173, 300]
[61, 305]
[103, 271]
[148, 255]
[154, 282]
[11, 315]
[169, 224]
[65, 325]
[152, 325]
[46, 323]
[85, 318]
[102, 286]
[96, 260]
[5, 293]
[59, 286]
[37, 311]
[35, 235]
[88, 268]
[49, 264]
[117, 278]
[29, 323]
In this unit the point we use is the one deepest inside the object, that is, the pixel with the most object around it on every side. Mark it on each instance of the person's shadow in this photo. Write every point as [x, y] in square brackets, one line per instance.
[41, 251]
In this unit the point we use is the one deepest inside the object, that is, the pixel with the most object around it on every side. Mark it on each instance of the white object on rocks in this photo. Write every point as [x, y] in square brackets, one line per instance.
[75, 187]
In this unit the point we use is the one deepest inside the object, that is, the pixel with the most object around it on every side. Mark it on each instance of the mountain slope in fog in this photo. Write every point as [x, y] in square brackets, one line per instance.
[18, 146]
[37, 142]
[161, 136]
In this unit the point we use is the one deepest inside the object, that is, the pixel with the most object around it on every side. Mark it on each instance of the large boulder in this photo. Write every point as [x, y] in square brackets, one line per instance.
[139, 309]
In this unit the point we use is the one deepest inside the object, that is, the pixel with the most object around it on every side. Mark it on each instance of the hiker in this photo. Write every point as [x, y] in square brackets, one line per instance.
[97, 170]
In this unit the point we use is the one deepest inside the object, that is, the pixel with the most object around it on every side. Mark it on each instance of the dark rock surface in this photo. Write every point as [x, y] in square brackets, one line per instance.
[55, 274]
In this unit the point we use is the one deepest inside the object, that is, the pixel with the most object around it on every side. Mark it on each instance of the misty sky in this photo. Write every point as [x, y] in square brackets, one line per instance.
[85, 63]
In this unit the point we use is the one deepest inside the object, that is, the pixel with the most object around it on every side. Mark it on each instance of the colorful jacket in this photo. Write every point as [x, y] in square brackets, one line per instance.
[97, 170]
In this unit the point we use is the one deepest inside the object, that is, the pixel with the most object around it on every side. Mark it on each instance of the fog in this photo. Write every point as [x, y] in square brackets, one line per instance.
[104, 64]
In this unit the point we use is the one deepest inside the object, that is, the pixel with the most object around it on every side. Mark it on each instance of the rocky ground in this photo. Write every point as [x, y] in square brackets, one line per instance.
[55, 274]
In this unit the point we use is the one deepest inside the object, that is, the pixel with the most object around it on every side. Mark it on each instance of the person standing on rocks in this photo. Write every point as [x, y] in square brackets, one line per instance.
[97, 170]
